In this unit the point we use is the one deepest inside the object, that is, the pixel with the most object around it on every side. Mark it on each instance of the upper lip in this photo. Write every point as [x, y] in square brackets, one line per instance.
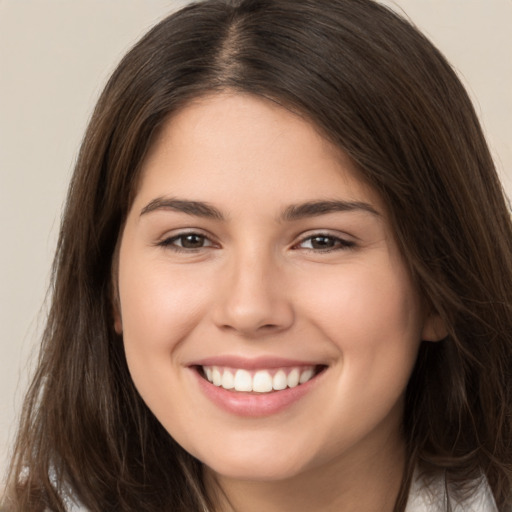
[255, 363]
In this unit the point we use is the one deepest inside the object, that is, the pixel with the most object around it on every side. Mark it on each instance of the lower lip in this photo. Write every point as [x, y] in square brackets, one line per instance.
[255, 404]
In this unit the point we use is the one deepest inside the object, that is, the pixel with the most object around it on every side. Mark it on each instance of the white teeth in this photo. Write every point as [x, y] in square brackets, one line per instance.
[228, 381]
[293, 378]
[260, 381]
[243, 381]
[216, 377]
[279, 381]
[306, 375]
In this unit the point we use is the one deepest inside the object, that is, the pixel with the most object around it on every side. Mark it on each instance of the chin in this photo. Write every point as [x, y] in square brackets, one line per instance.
[263, 464]
[261, 471]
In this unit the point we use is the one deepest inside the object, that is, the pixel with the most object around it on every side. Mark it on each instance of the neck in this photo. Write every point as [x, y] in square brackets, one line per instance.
[347, 484]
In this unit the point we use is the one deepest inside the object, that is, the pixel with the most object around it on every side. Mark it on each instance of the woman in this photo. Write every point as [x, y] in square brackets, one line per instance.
[283, 279]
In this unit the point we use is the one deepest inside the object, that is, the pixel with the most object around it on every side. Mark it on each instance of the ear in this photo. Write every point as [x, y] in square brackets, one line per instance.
[114, 290]
[434, 328]
[118, 324]
[116, 310]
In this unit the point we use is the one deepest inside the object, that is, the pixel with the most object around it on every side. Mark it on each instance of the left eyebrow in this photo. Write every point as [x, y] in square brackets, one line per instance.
[317, 208]
[196, 208]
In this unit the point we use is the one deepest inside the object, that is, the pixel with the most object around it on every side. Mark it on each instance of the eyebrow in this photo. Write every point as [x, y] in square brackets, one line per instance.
[291, 213]
[196, 208]
[317, 208]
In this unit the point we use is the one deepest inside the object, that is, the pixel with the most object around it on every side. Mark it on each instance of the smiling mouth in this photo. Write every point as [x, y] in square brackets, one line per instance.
[259, 381]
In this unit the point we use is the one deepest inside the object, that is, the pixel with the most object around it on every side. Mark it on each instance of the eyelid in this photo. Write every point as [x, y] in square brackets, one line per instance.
[167, 240]
[344, 241]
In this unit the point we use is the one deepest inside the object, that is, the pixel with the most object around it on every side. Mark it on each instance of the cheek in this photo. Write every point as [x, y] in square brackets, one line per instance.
[372, 314]
[160, 307]
[364, 298]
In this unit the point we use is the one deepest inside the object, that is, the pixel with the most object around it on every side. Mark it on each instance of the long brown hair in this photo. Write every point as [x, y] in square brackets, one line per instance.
[380, 91]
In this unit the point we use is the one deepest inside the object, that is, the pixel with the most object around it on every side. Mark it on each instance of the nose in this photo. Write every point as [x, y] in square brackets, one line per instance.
[253, 300]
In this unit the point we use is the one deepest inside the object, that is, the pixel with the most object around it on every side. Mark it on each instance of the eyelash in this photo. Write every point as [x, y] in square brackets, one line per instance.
[339, 244]
[170, 243]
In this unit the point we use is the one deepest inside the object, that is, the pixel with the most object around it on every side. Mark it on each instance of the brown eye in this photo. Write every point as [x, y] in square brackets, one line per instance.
[192, 241]
[325, 243]
[186, 242]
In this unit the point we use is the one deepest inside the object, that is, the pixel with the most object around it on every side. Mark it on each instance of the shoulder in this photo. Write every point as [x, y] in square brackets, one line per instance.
[434, 495]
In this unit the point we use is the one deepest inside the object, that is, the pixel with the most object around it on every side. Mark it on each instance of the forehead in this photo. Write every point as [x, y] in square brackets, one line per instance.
[224, 142]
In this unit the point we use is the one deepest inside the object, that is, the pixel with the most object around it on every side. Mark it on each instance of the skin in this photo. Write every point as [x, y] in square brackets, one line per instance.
[258, 284]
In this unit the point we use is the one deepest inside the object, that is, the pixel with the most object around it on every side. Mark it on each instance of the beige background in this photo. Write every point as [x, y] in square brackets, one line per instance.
[55, 55]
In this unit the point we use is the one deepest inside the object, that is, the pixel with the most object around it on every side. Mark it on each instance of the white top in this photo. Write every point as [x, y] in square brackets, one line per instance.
[422, 498]
[435, 496]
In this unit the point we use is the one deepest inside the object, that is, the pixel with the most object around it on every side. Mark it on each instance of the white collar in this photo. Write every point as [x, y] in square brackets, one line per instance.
[424, 496]
[434, 496]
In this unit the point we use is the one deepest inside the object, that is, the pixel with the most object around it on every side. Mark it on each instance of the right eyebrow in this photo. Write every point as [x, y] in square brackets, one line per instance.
[197, 208]
[318, 208]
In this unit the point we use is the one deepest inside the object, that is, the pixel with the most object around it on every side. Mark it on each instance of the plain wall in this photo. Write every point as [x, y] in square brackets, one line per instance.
[55, 56]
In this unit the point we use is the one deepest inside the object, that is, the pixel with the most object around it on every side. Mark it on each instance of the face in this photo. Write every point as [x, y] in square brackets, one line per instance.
[268, 319]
